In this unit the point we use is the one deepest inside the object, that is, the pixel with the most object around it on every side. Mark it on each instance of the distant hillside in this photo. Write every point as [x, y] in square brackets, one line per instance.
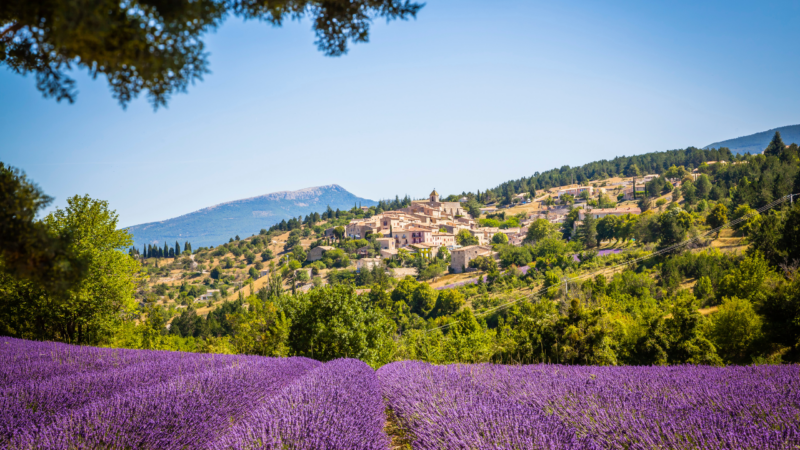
[756, 143]
[216, 224]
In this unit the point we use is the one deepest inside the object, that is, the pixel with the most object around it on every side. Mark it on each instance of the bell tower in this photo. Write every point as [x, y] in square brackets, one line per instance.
[434, 196]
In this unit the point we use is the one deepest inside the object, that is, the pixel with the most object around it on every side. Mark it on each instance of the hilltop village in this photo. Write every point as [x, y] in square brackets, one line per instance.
[434, 240]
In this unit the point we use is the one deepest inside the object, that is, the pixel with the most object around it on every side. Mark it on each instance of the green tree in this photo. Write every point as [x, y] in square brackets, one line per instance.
[473, 208]
[587, 231]
[704, 289]
[216, 273]
[583, 336]
[90, 311]
[467, 341]
[672, 226]
[776, 146]
[262, 329]
[781, 316]
[683, 330]
[537, 230]
[339, 233]
[703, 186]
[299, 253]
[607, 228]
[767, 239]
[334, 322]
[29, 249]
[157, 46]
[790, 236]
[632, 170]
[500, 238]
[750, 222]
[676, 172]
[689, 193]
[449, 302]
[423, 299]
[254, 273]
[746, 280]
[404, 290]
[266, 255]
[718, 216]
[736, 329]
[465, 238]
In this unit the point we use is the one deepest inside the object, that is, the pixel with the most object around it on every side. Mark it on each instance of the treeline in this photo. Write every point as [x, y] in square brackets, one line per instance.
[153, 251]
[392, 205]
[648, 163]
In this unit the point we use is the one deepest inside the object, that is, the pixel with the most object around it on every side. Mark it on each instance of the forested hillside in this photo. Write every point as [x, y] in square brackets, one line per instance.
[628, 166]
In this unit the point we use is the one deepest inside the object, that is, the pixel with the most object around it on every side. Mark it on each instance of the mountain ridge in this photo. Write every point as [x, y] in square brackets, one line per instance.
[215, 224]
[757, 142]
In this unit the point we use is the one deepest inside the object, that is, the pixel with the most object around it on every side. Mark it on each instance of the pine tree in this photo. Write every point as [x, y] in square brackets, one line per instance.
[776, 146]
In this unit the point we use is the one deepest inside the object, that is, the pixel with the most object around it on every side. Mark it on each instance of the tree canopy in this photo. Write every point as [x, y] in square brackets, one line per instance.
[156, 46]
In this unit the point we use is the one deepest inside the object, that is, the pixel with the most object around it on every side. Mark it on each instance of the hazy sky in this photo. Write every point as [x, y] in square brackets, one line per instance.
[469, 95]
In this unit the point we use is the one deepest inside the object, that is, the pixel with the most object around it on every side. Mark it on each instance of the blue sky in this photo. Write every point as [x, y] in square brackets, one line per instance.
[465, 97]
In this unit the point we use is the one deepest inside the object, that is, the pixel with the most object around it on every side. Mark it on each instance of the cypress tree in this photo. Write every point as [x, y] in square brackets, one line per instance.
[171, 252]
[177, 248]
[166, 249]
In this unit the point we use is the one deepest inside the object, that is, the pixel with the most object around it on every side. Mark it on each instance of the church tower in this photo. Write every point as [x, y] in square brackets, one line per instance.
[434, 196]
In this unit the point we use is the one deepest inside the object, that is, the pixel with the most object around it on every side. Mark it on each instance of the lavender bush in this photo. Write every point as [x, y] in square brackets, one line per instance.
[336, 406]
[683, 407]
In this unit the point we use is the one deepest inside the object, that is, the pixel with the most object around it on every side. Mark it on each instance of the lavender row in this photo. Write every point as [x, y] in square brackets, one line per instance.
[685, 407]
[186, 412]
[441, 407]
[337, 406]
[28, 406]
[21, 360]
[756, 407]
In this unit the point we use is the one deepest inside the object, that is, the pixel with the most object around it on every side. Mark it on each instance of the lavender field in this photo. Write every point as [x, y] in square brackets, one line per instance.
[58, 396]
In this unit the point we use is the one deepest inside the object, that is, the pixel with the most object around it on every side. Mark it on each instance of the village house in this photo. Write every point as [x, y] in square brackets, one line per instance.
[574, 191]
[208, 295]
[627, 193]
[425, 249]
[484, 234]
[460, 257]
[329, 233]
[316, 253]
[367, 264]
[412, 235]
[599, 213]
[386, 243]
[444, 239]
